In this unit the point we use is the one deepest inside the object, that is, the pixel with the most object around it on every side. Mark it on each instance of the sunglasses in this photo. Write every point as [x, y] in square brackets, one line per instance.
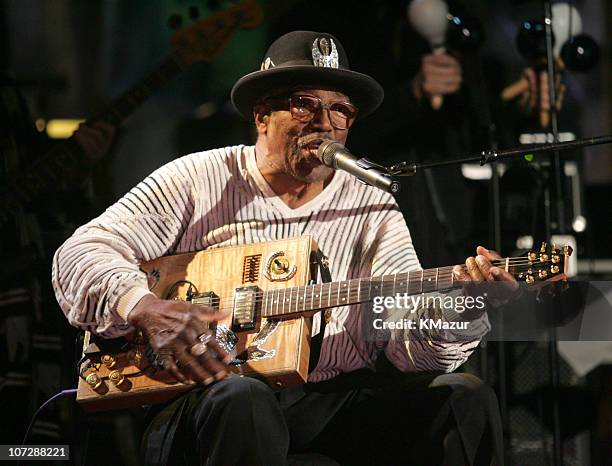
[304, 108]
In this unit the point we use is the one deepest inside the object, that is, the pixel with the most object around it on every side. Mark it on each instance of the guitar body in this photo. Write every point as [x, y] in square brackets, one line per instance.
[276, 350]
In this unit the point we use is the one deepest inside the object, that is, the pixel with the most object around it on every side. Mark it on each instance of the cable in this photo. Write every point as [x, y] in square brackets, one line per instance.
[69, 391]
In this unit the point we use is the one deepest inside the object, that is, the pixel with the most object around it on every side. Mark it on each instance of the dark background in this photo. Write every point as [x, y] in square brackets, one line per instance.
[71, 58]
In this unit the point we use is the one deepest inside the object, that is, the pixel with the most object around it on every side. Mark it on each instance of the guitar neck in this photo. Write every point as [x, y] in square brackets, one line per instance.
[51, 168]
[129, 101]
[300, 299]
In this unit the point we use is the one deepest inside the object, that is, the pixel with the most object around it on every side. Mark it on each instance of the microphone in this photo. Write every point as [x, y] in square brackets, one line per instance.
[335, 155]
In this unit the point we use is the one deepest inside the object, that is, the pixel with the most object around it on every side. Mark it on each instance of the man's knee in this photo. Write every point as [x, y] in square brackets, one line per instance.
[467, 385]
[239, 391]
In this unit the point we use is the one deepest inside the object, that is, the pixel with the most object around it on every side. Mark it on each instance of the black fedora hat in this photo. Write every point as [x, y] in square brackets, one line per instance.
[306, 58]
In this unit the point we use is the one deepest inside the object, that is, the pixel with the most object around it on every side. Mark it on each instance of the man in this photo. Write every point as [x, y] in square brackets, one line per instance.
[303, 93]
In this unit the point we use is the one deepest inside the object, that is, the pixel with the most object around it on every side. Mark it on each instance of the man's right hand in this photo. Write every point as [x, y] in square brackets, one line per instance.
[440, 74]
[178, 332]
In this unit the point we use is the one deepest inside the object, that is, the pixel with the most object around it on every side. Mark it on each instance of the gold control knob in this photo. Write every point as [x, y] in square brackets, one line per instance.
[543, 274]
[543, 257]
[109, 361]
[532, 256]
[529, 279]
[280, 265]
[116, 377]
[555, 259]
[93, 380]
[554, 269]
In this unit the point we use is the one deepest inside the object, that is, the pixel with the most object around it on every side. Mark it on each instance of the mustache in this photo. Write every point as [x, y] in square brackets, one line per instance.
[309, 139]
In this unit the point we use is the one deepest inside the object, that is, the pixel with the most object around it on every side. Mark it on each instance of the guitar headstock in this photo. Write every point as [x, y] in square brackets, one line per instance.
[204, 39]
[549, 262]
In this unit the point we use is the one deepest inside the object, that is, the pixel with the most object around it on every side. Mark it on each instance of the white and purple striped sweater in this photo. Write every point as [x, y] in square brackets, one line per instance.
[219, 198]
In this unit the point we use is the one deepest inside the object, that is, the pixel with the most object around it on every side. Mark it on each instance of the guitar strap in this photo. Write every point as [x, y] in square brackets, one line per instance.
[317, 340]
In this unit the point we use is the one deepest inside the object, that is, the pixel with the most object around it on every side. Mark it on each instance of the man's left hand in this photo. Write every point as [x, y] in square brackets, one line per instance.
[479, 270]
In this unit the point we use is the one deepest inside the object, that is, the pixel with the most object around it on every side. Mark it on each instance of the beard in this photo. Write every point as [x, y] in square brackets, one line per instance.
[302, 162]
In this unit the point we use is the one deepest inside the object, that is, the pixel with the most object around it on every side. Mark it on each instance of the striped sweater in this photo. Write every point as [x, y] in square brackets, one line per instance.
[219, 198]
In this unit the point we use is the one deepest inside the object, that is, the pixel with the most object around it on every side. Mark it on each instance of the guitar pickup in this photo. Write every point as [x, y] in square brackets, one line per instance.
[245, 308]
[207, 299]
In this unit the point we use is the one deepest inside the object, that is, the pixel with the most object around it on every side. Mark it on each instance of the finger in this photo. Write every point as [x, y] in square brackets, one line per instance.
[172, 368]
[222, 355]
[560, 96]
[190, 366]
[473, 270]
[533, 88]
[490, 255]
[460, 274]
[205, 314]
[441, 60]
[501, 275]
[213, 365]
[484, 267]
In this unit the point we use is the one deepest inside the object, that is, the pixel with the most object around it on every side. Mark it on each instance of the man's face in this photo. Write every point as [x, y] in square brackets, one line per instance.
[292, 144]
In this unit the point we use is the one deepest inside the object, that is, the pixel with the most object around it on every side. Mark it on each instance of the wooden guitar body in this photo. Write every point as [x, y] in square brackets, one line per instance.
[276, 350]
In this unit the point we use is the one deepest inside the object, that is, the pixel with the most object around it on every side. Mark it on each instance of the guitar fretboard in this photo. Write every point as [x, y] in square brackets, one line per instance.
[299, 299]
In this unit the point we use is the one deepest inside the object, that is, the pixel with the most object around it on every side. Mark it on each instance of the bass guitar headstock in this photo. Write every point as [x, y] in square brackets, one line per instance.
[204, 39]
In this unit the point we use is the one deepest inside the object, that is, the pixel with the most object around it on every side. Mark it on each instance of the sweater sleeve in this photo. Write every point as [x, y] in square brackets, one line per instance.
[417, 349]
[96, 275]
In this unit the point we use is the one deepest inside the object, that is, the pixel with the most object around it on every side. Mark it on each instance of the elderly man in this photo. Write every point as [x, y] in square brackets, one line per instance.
[350, 409]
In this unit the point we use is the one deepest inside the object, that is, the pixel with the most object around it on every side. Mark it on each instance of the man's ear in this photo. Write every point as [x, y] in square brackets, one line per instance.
[261, 115]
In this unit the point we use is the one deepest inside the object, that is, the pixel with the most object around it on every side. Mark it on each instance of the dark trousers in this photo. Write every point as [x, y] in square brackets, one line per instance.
[358, 418]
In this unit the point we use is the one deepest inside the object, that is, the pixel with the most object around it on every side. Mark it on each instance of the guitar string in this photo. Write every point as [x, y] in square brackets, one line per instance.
[429, 273]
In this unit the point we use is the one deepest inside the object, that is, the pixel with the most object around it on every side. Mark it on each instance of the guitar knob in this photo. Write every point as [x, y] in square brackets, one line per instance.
[94, 381]
[116, 377]
[109, 361]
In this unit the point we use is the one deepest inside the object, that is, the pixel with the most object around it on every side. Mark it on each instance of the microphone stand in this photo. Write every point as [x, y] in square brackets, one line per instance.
[553, 351]
[492, 156]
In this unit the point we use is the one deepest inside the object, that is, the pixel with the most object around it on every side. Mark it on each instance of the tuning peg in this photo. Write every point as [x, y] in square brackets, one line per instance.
[531, 256]
[543, 274]
[529, 279]
[554, 269]
[175, 21]
[543, 247]
[194, 12]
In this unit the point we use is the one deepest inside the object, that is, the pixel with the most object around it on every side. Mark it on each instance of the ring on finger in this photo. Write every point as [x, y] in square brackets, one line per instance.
[206, 336]
[198, 349]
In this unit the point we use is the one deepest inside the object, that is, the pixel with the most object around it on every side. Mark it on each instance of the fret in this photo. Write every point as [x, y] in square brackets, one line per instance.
[321, 297]
[421, 280]
[312, 295]
[277, 300]
[394, 283]
[437, 275]
[376, 286]
[359, 297]
[290, 297]
[343, 292]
